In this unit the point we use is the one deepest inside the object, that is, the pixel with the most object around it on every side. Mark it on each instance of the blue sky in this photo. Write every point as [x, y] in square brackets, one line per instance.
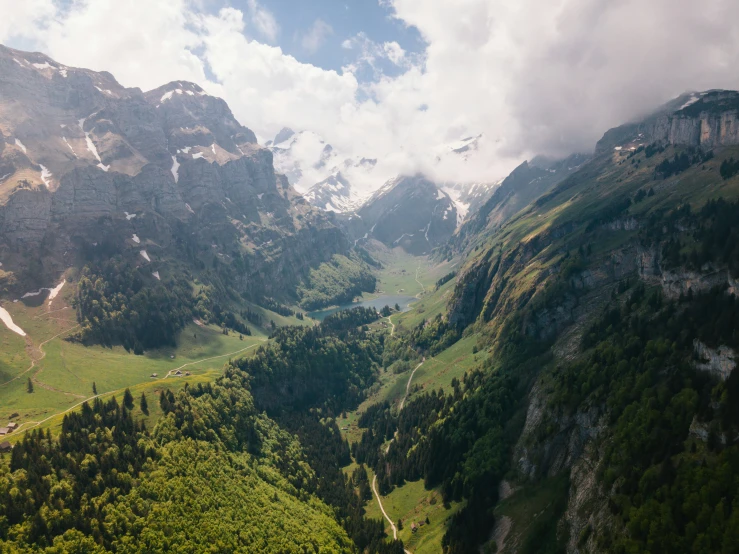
[345, 18]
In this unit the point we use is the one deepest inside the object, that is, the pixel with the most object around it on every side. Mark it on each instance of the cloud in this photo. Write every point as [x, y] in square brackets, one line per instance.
[316, 36]
[533, 76]
[263, 20]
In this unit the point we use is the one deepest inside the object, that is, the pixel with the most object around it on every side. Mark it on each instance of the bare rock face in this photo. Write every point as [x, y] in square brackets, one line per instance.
[706, 119]
[85, 160]
[411, 212]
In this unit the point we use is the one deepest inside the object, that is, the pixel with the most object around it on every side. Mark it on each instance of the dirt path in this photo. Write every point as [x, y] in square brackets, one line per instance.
[408, 385]
[423, 289]
[37, 423]
[169, 373]
[379, 502]
[34, 361]
[392, 330]
[390, 521]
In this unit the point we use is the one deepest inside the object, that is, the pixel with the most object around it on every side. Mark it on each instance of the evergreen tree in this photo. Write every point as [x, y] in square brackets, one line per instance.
[29, 386]
[94, 388]
[143, 404]
[128, 399]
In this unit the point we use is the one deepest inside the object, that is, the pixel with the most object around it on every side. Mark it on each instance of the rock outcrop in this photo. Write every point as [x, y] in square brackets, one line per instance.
[83, 159]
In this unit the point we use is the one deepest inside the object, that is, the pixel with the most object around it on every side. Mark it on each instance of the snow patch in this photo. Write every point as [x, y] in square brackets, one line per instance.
[45, 175]
[91, 146]
[34, 293]
[145, 255]
[44, 65]
[63, 73]
[135, 238]
[129, 216]
[184, 150]
[5, 177]
[440, 195]
[55, 291]
[5, 317]
[156, 274]
[166, 96]
[692, 100]
[189, 209]
[213, 147]
[618, 148]
[69, 145]
[198, 155]
[106, 91]
[175, 169]
[18, 62]
[20, 145]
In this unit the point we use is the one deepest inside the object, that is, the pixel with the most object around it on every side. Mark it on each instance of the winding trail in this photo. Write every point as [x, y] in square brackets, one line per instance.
[37, 423]
[382, 509]
[392, 330]
[379, 502]
[408, 384]
[34, 361]
[423, 289]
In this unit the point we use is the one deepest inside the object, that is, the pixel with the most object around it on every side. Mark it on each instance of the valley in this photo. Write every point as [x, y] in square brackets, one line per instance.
[197, 357]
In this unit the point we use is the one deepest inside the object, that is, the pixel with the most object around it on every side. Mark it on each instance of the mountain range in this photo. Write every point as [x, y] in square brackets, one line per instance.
[87, 165]
[564, 379]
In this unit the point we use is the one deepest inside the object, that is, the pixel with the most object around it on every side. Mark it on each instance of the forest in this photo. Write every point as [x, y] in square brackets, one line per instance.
[338, 281]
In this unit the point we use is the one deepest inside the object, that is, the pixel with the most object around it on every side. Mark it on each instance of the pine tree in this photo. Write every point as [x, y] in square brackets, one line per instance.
[29, 386]
[128, 399]
[143, 404]
[94, 389]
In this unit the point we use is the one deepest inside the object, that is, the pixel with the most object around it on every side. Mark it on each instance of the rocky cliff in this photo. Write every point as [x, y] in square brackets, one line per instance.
[409, 212]
[84, 159]
[706, 119]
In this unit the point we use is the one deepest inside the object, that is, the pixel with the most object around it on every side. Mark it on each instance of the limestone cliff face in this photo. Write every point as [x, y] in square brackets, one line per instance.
[707, 119]
[83, 158]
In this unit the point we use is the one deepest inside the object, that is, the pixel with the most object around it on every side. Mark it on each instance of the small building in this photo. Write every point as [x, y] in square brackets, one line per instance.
[12, 426]
[154, 375]
[187, 374]
[5, 447]
[177, 372]
[414, 527]
[4, 431]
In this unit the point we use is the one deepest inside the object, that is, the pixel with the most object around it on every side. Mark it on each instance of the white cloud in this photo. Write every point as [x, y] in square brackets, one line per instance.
[533, 76]
[316, 36]
[263, 20]
[394, 52]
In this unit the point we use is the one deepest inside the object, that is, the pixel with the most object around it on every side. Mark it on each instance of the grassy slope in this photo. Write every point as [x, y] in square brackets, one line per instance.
[413, 503]
[63, 372]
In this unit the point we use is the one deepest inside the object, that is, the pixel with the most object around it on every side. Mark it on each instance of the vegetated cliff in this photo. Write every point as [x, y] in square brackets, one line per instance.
[625, 274]
[524, 184]
[88, 166]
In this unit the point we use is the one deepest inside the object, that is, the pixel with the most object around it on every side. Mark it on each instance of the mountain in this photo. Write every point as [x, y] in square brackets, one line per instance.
[607, 308]
[168, 179]
[408, 212]
[327, 179]
[525, 183]
[334, 182]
